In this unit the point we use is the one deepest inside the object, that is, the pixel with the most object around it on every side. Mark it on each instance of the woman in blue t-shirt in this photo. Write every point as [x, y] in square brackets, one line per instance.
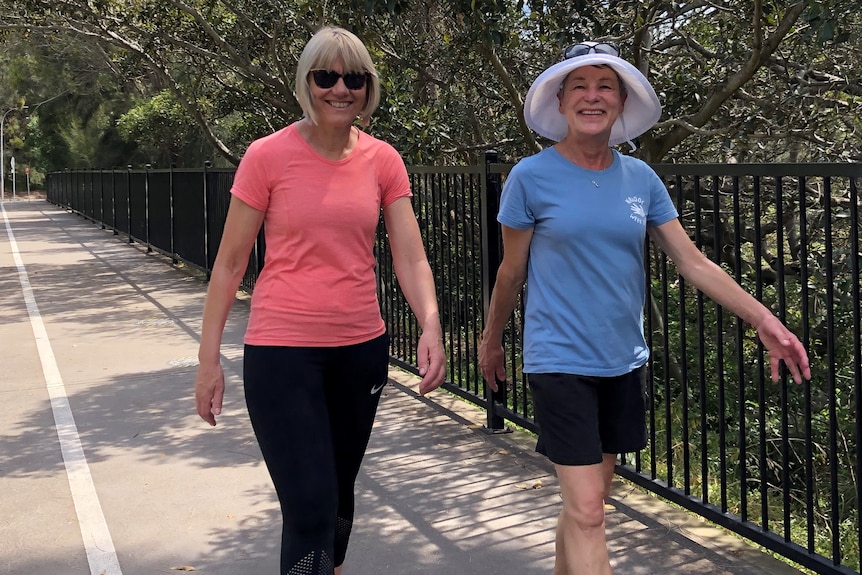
[574, 221]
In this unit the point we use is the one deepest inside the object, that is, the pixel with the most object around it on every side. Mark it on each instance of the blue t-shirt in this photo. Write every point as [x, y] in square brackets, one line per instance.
[585, 275]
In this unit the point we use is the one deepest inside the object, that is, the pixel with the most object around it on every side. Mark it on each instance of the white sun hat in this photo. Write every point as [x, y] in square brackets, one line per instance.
[640, 112]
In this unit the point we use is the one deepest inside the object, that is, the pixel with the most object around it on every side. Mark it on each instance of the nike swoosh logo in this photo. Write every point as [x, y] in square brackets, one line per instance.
[376, 389]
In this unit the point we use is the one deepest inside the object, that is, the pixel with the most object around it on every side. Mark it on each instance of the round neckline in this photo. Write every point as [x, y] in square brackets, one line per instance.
[610, 166]
[318, 155]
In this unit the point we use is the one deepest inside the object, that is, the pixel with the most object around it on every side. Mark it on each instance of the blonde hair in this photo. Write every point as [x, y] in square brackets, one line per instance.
[322, 50]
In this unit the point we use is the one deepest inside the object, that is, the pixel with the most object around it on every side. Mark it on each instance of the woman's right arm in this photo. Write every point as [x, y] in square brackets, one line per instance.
[240, 231]
[510, 281]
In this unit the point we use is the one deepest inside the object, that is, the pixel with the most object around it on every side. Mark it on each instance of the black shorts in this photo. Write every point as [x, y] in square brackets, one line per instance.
[582, 417]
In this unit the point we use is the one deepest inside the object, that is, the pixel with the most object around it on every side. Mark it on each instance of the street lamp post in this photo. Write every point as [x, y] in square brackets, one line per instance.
[2, 151]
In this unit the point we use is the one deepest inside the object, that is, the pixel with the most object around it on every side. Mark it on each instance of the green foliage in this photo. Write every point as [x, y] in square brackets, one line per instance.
[163, 132]
[777, 85]
[808, 432]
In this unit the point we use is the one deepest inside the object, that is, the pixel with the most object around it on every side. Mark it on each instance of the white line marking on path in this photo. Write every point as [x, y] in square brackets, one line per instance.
[94, 529]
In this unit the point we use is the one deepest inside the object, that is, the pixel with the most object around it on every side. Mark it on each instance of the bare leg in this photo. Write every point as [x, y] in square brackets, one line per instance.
[338, 570]
[581, 547]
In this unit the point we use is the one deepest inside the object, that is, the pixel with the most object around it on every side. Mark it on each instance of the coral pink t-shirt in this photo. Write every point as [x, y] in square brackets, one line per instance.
[317, 287]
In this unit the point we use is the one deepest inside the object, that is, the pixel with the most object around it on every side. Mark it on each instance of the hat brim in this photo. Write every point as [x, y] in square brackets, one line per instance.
[542, 108]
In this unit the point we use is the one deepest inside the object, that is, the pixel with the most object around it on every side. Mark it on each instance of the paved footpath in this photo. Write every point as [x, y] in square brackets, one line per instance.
[106, 469]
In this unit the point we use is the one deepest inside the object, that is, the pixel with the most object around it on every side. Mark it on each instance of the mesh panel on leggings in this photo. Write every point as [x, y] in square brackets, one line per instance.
[326, 566]
[306, 565]
[342, 536]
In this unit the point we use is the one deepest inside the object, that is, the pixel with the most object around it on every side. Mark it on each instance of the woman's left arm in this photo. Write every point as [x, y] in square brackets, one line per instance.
[417, 283]
[709, 278]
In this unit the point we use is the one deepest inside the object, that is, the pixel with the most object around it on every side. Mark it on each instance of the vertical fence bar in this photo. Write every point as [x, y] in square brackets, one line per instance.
[102, 216]
[666, 370]
[719, 348]
[701, 348]
[807, 410]
[173, 222]
[438, 237]
[476, 274]
[114, 201]
[786, 477]
[831, 384]
[207, 166]
[129, 200]
[649, 331]
[855, 258]
[683, 354]
[490, 193]
[740, 371]
[147, 169]
[455, 273]
[763, 468]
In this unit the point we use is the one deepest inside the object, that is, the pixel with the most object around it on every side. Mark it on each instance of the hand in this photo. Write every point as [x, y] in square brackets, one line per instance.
[491, 362]
[782, 345]
[209, 391]
[431, 358]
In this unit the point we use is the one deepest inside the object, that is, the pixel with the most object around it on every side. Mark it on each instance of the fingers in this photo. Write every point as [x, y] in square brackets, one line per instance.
[493, 374]
[433, 377]
[209, 393]
[205, 412]
[433, 369]
[802, 367]
[218, 398]
[774, 367]
[796, 359]
[793, 354]
[491, 364]
[783, 345]
[795, 373]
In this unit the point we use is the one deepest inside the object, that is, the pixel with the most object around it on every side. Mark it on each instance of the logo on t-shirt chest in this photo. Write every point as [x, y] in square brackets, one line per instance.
[636, 205]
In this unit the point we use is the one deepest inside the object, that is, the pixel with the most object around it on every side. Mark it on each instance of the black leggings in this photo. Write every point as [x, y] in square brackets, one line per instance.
[312, 409]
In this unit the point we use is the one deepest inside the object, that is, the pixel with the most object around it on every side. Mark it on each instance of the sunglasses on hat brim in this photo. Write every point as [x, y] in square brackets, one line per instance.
[582, 49]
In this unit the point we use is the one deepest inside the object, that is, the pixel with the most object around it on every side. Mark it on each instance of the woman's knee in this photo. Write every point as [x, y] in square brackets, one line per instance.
[586, 512]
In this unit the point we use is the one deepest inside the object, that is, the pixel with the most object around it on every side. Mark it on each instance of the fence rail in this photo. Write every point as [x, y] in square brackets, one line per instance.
[775, 462]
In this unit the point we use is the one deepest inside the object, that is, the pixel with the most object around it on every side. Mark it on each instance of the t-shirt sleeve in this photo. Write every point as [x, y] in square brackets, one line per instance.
[250, 182]
[515, 211]
[392, 176]
[661, 209]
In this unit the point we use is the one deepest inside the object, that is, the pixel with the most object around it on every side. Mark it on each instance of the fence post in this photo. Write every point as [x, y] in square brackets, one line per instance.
[491, 256]
[207, 166]
[67, 190]
[92, 175]
[102, 198]
[147, 168]
[129, 200]
[114, 199]
[174, 257]
[92, 194]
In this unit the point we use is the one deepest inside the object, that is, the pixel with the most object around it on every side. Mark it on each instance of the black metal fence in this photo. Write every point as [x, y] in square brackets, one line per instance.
[775, 462]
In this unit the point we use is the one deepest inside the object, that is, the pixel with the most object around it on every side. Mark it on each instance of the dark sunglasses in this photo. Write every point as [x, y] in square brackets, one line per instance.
[327, 79]
[576, 50]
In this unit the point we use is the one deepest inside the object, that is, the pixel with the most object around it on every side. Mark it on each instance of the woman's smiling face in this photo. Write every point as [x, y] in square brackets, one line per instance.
[337, 105]
[591, 98]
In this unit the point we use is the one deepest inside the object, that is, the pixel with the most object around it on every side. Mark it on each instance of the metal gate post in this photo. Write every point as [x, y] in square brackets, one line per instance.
[491, 257]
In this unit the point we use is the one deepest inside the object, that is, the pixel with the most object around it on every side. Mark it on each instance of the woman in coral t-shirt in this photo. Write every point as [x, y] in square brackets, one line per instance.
[316, 348]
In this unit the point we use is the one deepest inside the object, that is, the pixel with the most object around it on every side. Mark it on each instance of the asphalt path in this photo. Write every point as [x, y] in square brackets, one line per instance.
[105, 469]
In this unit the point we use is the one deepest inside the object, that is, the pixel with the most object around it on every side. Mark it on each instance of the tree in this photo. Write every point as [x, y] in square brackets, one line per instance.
[73, 99]
[740, 80]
